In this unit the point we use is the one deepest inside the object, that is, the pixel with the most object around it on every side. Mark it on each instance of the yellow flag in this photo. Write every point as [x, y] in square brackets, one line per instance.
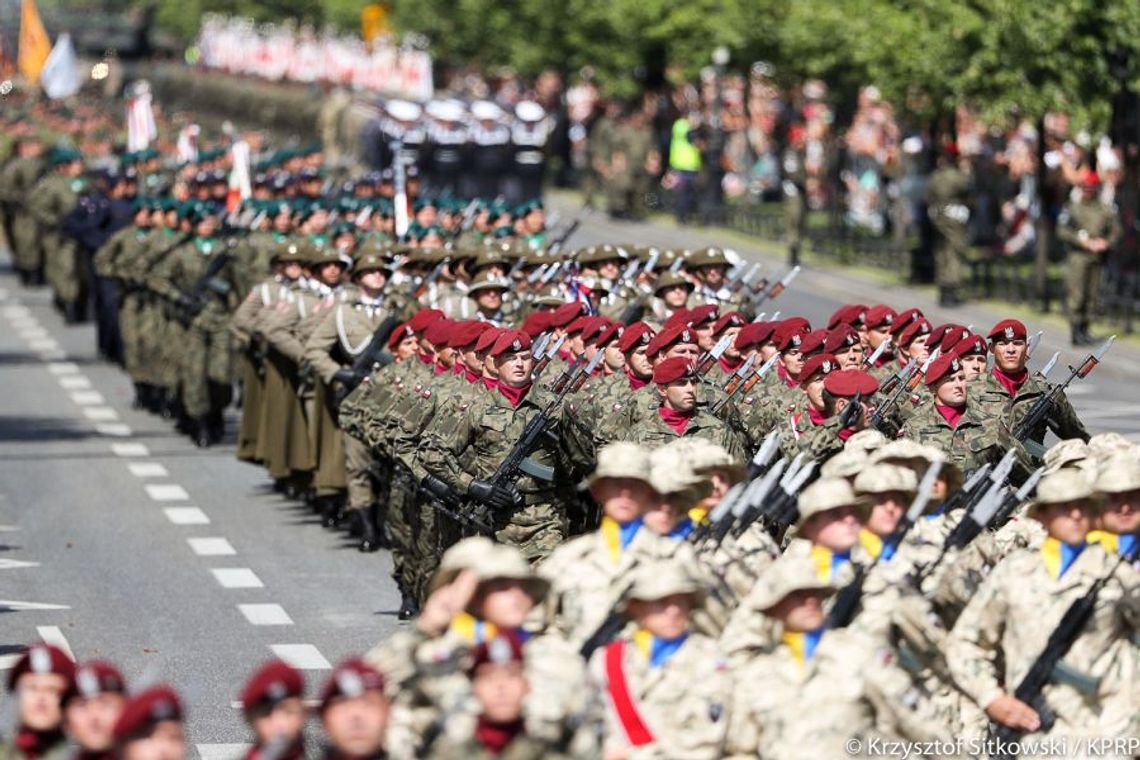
[374, 21]
[34, 42]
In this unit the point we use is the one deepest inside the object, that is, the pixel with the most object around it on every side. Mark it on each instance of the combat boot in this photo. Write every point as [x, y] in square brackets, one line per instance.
[409, 608]
[200, 433]
[369, 533]
[331, 511]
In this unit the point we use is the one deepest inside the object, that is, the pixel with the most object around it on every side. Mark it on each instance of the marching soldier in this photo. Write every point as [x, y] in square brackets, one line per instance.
[41, 678]
[93, 706]
[17, 179]
[947, 196]
[52, 198]
[271, 701]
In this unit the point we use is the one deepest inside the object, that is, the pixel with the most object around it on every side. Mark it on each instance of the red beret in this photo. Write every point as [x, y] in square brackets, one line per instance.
[536, 323]
[510, 341]
[841, 339]
[487, 339]
[851, 314]
[671, 370]
[819, 364]
[567, 313]
[699, 315]
[609, 335]
[952, 338]
[941, 367]
[788, 336]
[669, 337]
[848, 382]
[423, 318]
[729, 319]
[940, 332]
[637, 334]
[42, 658]
[503, 649]
[403, 331]
[95, 678]
[912, 331]
[754, 334]
[596, 327]
[880, 315]
[351, 679]
[813, 341]
[271, 683]
[438, 333]
[466, 334]
[800, 323]
[1008, 329]
[679, 317]
[904, 319]
[971, 344]
[578, 325]
[143, 710]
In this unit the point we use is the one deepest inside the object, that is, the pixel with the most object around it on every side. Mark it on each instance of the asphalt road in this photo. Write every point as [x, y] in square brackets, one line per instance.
[123, 541]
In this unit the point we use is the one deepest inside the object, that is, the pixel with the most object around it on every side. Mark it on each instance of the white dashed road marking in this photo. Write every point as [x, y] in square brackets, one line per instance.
[301, 656]
[147, 469]
[15, 564]
[63, 368]
[236, 577]
[265, 614]
[88, 398]
[167, 492]
[113, 429]
[211, 547]
[43, 345]
[186, 516]
[130, 449]
[8, 661]
[7, 604]
[100, 414]
[74, 382]
[51, 634]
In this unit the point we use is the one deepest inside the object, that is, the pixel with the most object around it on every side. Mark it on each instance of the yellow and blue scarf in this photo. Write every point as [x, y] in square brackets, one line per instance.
[657, 651]
[618, 537]
[1059, 556]
[802, 644]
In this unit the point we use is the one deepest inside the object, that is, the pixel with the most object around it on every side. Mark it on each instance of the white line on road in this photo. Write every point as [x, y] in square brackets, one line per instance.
[147, 469]
[211, 547]
[167, 492]
[43, 344]
[63, 368]
[88, 398]
[130, 449]
[186, 516]
[221, 751]
[13, 606]
[113, 429]
[15, 564]
[51, 634]
[265, 614]
[301, 656]
[101, 414]
[74, 382]
[237, 577]
[31, 331]
[8, 661]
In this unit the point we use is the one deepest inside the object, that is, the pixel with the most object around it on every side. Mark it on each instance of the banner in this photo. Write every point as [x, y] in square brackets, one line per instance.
[278, 52]
[60, 74]
[35, 46]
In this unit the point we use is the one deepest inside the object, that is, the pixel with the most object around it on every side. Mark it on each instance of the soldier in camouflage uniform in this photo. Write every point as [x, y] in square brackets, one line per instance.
[947, 196]
[52, 198]
[1090, 230]
[17, 179]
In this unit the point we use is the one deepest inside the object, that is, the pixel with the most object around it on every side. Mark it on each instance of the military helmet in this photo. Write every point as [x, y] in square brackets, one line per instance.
[289, 251]
[669, 279]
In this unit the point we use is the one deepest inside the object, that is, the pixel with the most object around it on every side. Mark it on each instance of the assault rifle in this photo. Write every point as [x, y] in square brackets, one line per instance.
[189, 305]
[775, 290]
[738, 384]
[566, 234]
[368, 358]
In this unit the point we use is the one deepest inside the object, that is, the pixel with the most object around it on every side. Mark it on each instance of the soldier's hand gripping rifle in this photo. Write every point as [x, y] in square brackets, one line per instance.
[367, 359]
[189, 305]
[847, 600]
[852, 412]
[1048, 666]
[499, 492]
[1042, 408]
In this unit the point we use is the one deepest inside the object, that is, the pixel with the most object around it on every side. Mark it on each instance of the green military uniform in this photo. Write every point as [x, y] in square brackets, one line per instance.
[993, 400]
[976, 440]
[947, 193]
[643, 424]
[52, 198]
[17, 179]
[1081, 221]
[629, 183]
[795, 200]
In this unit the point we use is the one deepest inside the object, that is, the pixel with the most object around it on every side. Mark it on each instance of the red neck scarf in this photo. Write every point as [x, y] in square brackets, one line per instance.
[489, 382]
[440, 368]
[1011, 383]
[635, 382]
[37, 743]
[425, 358]
[789, 381]
[496, 736]
[513, 395]
[675, 419]
[817, 417]
[459, 368]
[729, 365]
[951, 414]
[468, 375]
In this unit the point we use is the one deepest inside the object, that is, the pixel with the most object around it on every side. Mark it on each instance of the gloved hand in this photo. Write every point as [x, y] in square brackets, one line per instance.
[188, 303]
[345, 376]
[504, 496]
